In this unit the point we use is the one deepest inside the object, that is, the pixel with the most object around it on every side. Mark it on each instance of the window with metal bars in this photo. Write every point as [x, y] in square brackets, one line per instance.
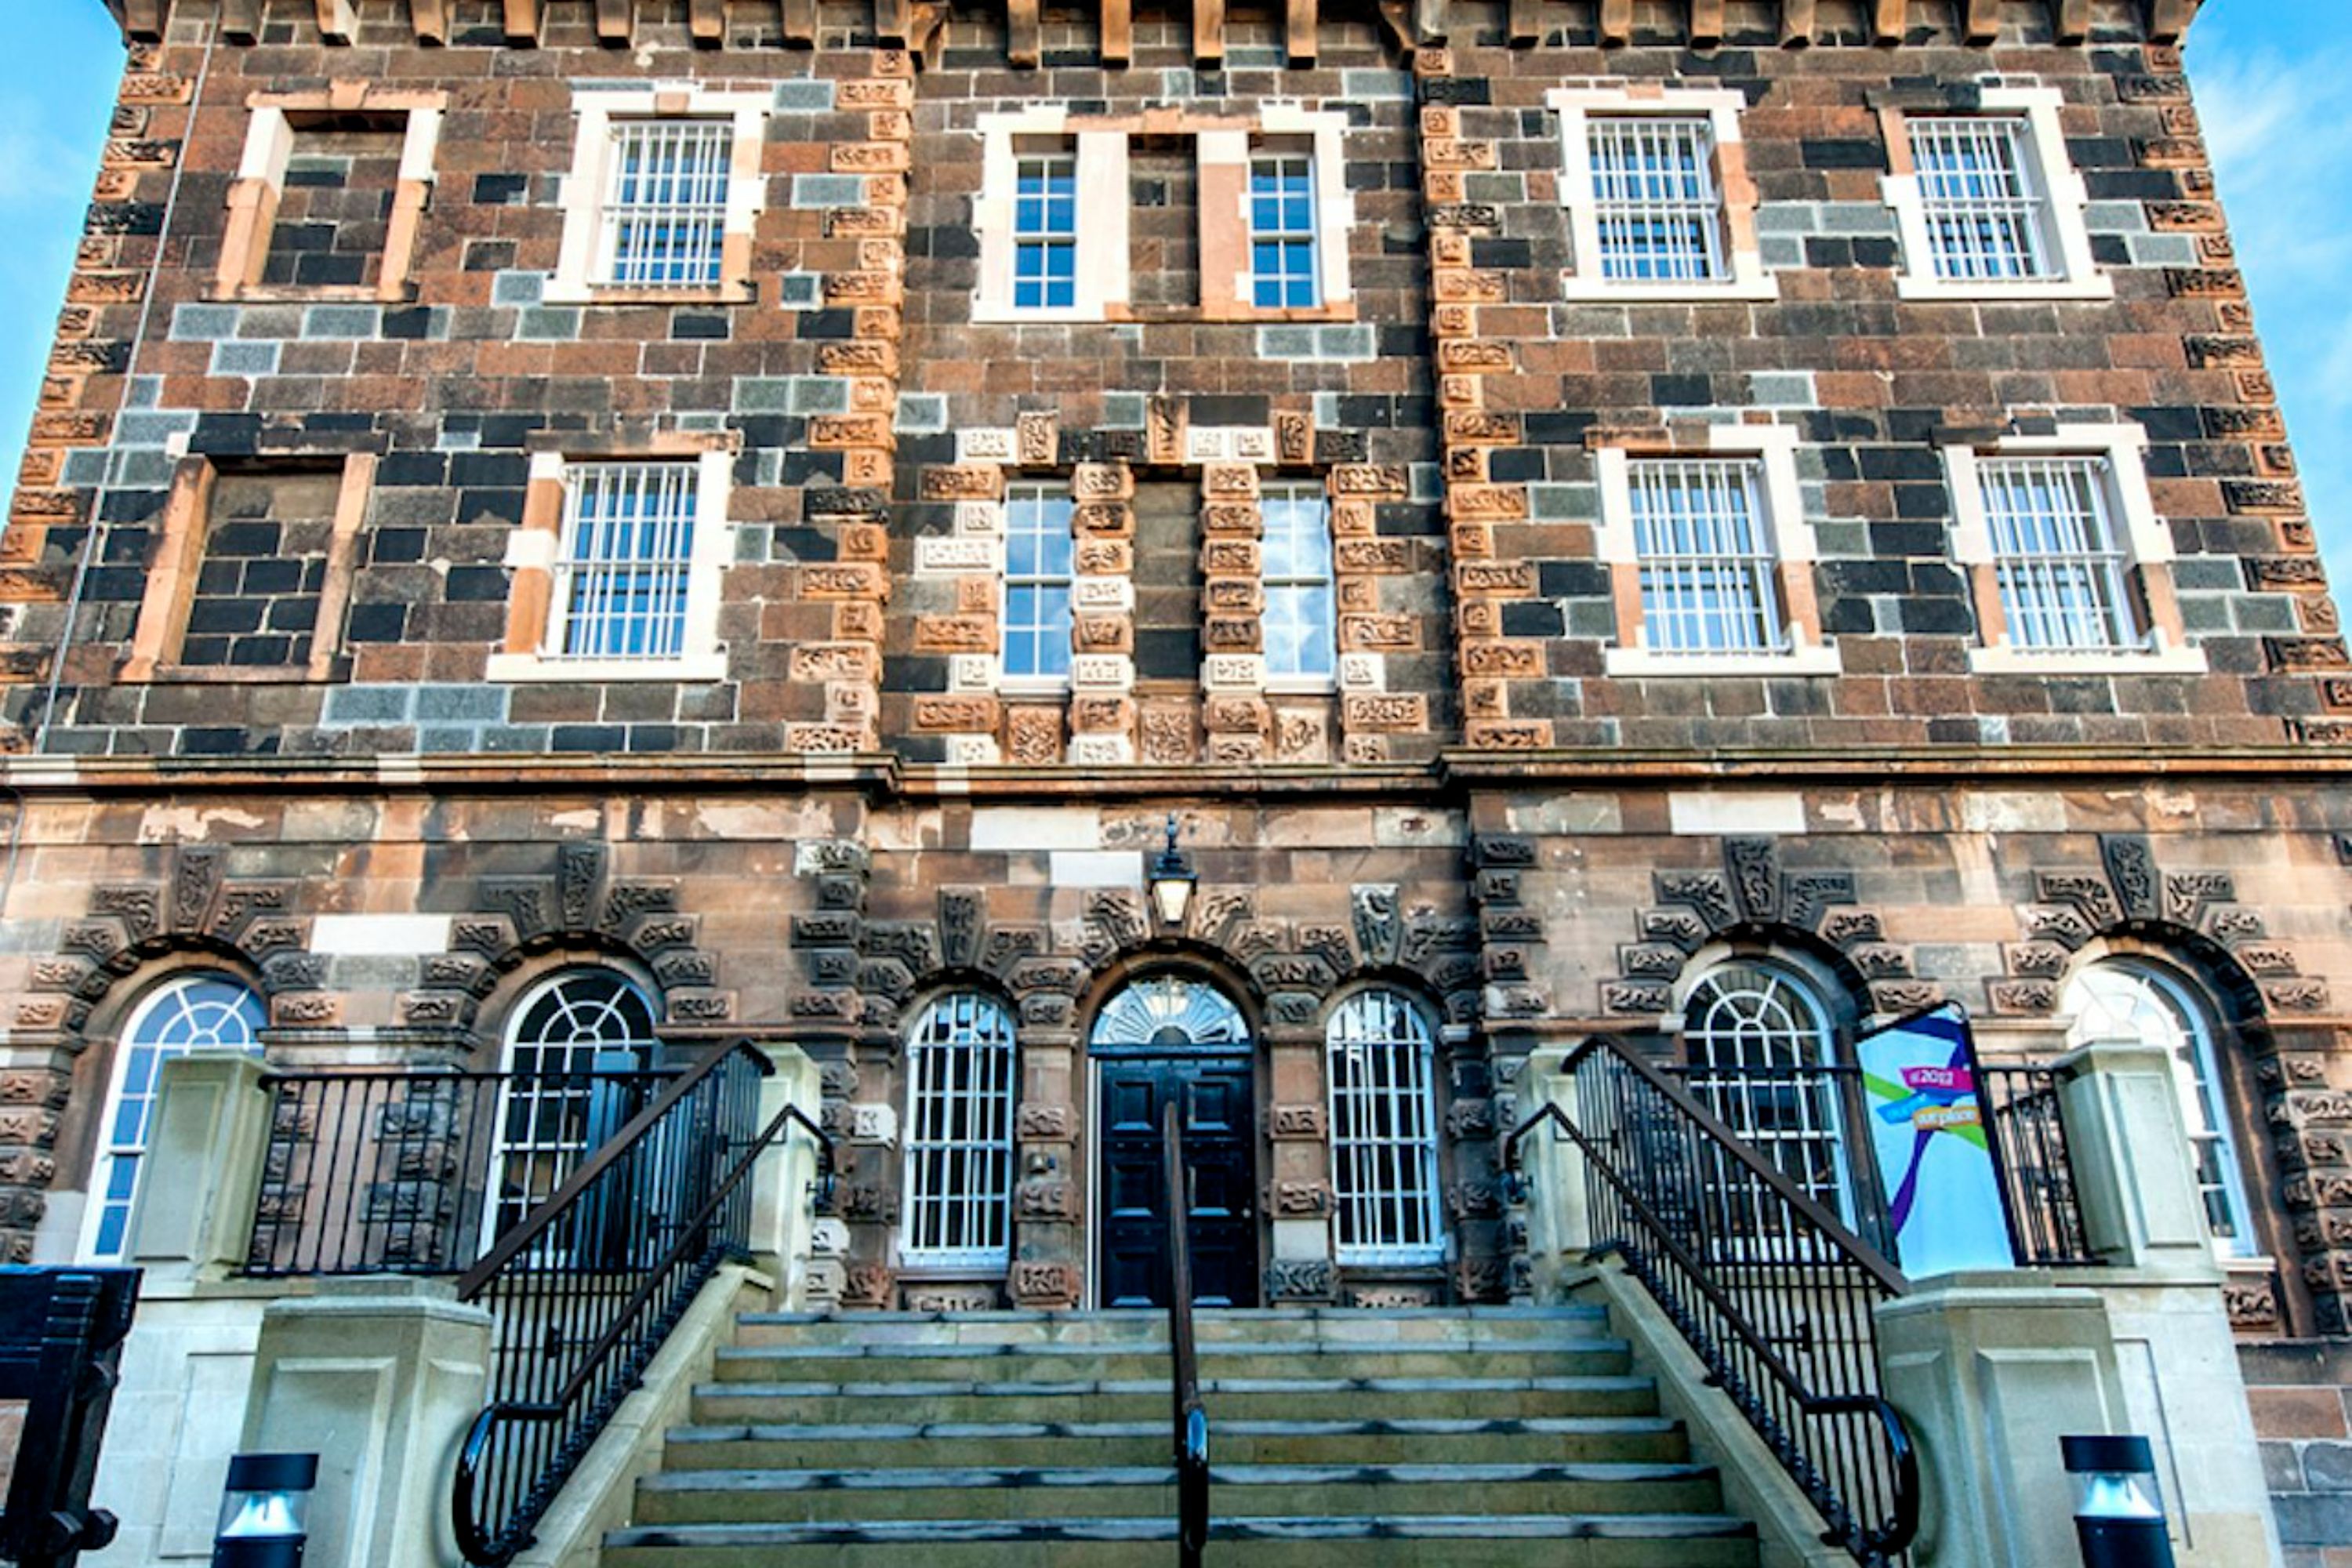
[621, 575]
[211, 1011]
[1301, 612]
[960, 1090]
[2056, 557]
[1045, 231]
[1282, 230]
[561, 1099]
[1707, 560]
[1756, 1039]
[1659, 209]
[1381, 1055]
[1988, 216]
[1037, 577]
[665, 212]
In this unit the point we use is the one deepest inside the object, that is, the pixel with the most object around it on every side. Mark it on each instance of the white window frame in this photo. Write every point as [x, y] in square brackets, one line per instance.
[2146, 543]
[977, 1023]
[582, 265]
[1283, 236]
[1404, 1153]
[1755, 1097]
[1285, 130]
[1278, 680]
[677, 132]
[1787, 531]
[699, 657]
[1743, 276]
[2062, 196]
[1048, 238]
[2196, 1079]
[563, 1151]
[1102, 265]
[110, 1149]
[1033, 683]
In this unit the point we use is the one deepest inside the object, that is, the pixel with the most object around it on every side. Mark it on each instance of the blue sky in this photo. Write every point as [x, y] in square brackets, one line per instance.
[2270, 103]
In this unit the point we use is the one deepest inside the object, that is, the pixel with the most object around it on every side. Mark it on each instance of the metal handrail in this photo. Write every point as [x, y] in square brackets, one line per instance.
[1192, 1420]
[587, 1289]
[1770, 1290]
[2028, 1127]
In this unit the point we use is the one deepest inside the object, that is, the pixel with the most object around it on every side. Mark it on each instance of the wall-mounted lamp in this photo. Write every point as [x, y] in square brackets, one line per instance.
[265, 1510]
[2118, 1512]
[1172, 881]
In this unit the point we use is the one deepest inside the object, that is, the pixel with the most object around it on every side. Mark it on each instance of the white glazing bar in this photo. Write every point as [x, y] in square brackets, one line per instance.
[1986, 218]
[621, 575]
[1706, 567]
[1383, 1125]
[1659, 210]
[665, 213]
[960, 1064]
[2057, 564]
[1282, 231]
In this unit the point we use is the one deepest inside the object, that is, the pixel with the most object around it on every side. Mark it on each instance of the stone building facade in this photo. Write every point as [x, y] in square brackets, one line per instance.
[1014, 426]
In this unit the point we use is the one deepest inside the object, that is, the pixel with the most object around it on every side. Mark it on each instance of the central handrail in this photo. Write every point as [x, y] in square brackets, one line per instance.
[586, 1290]
[1774, 1291]
[1192, 1421]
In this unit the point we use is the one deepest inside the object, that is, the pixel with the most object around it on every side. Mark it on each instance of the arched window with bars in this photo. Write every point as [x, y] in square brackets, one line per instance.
[961, 1063]
[1758, 1052]
[1381, 1065]
[572, 1047]
[211, 1011]
[2137, 999]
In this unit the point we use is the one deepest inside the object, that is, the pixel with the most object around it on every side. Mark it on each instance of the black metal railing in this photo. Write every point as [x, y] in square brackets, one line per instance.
[411, 1172]
[1771, 1290]
[1811, 1122]
[586, 1290]
[2029, 1133]
[1192, 1420]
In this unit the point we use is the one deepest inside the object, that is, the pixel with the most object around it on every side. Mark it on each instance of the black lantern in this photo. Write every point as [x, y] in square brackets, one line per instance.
[264, 1510]
[1172, 880]
[2118, 1512]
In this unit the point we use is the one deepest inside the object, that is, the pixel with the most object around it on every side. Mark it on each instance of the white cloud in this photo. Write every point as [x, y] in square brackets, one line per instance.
[2282, 152]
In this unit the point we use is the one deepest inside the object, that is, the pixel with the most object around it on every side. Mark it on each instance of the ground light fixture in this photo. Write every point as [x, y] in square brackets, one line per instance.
[264, 1510]
[2118, 1512]
[1172, 881]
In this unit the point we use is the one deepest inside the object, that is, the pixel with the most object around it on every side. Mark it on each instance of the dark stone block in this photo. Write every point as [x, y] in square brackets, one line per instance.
[376, 623]
[412, 325]
[605, 737]
[1842, 152]
[501, 190]
[476, 585]
[1681, 391]
[399, 469]
[692, 325]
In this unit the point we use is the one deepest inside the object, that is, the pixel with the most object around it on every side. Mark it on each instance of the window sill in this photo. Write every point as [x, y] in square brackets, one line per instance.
[232, 675]
[521, 668]
[1300, 685]
[958, 1266]
[1615, 291]
[2006, 659]
[1911, 286]
[725, 293]
[317, 294]
[1647, 663]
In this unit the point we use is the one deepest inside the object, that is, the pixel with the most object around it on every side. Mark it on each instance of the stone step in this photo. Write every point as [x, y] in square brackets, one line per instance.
[813, 1495]
[1580, 1356]
[1297, 1398]
[1447, 1325]
[1541, 1440]
[1435, 1541]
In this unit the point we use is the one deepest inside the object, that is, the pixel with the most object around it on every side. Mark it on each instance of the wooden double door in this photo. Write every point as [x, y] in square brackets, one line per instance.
[1218, 1095]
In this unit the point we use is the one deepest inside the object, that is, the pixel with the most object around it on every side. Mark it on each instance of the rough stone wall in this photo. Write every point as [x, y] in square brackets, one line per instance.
[2296, 1390]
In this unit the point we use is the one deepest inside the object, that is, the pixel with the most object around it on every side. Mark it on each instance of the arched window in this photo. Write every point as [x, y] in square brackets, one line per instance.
[2130, 999]
[1379, 1054]
[555, 1106]
[211, 1011]
[1757, 1037]
[959, 1186]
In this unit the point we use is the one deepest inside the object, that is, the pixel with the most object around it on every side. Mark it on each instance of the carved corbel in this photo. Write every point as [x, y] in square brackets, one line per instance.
[337, 21]
[240, 20]
[894, 23]
[1705, 23]
[1209, 32]
[523, 22]
[1796, 24]
[2169, 20]
[1025, 44]
[430, 18]
[1891, 21]
[1982, 23]
[1616, 22]
[707, 20]
[616, 22]
[1525, 21]
[145, 19]
[798, 23]
[1117, 32]
[1298, 32]
[2071, 18]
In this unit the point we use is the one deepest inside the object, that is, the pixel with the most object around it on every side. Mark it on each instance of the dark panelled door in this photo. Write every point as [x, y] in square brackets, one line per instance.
[1220, 1144]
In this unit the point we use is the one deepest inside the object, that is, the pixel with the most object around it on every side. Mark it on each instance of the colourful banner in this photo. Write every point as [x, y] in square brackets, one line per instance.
[1946, 1203]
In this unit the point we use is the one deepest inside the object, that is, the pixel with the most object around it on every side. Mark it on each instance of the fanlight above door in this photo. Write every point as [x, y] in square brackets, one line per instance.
[1168, 1013]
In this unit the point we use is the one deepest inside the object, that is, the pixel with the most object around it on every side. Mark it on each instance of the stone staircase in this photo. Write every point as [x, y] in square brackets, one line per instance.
[1461, 1437]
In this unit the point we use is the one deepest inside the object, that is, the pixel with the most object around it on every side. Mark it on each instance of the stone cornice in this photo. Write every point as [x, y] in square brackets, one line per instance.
[882, 776]
[1414, 24]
